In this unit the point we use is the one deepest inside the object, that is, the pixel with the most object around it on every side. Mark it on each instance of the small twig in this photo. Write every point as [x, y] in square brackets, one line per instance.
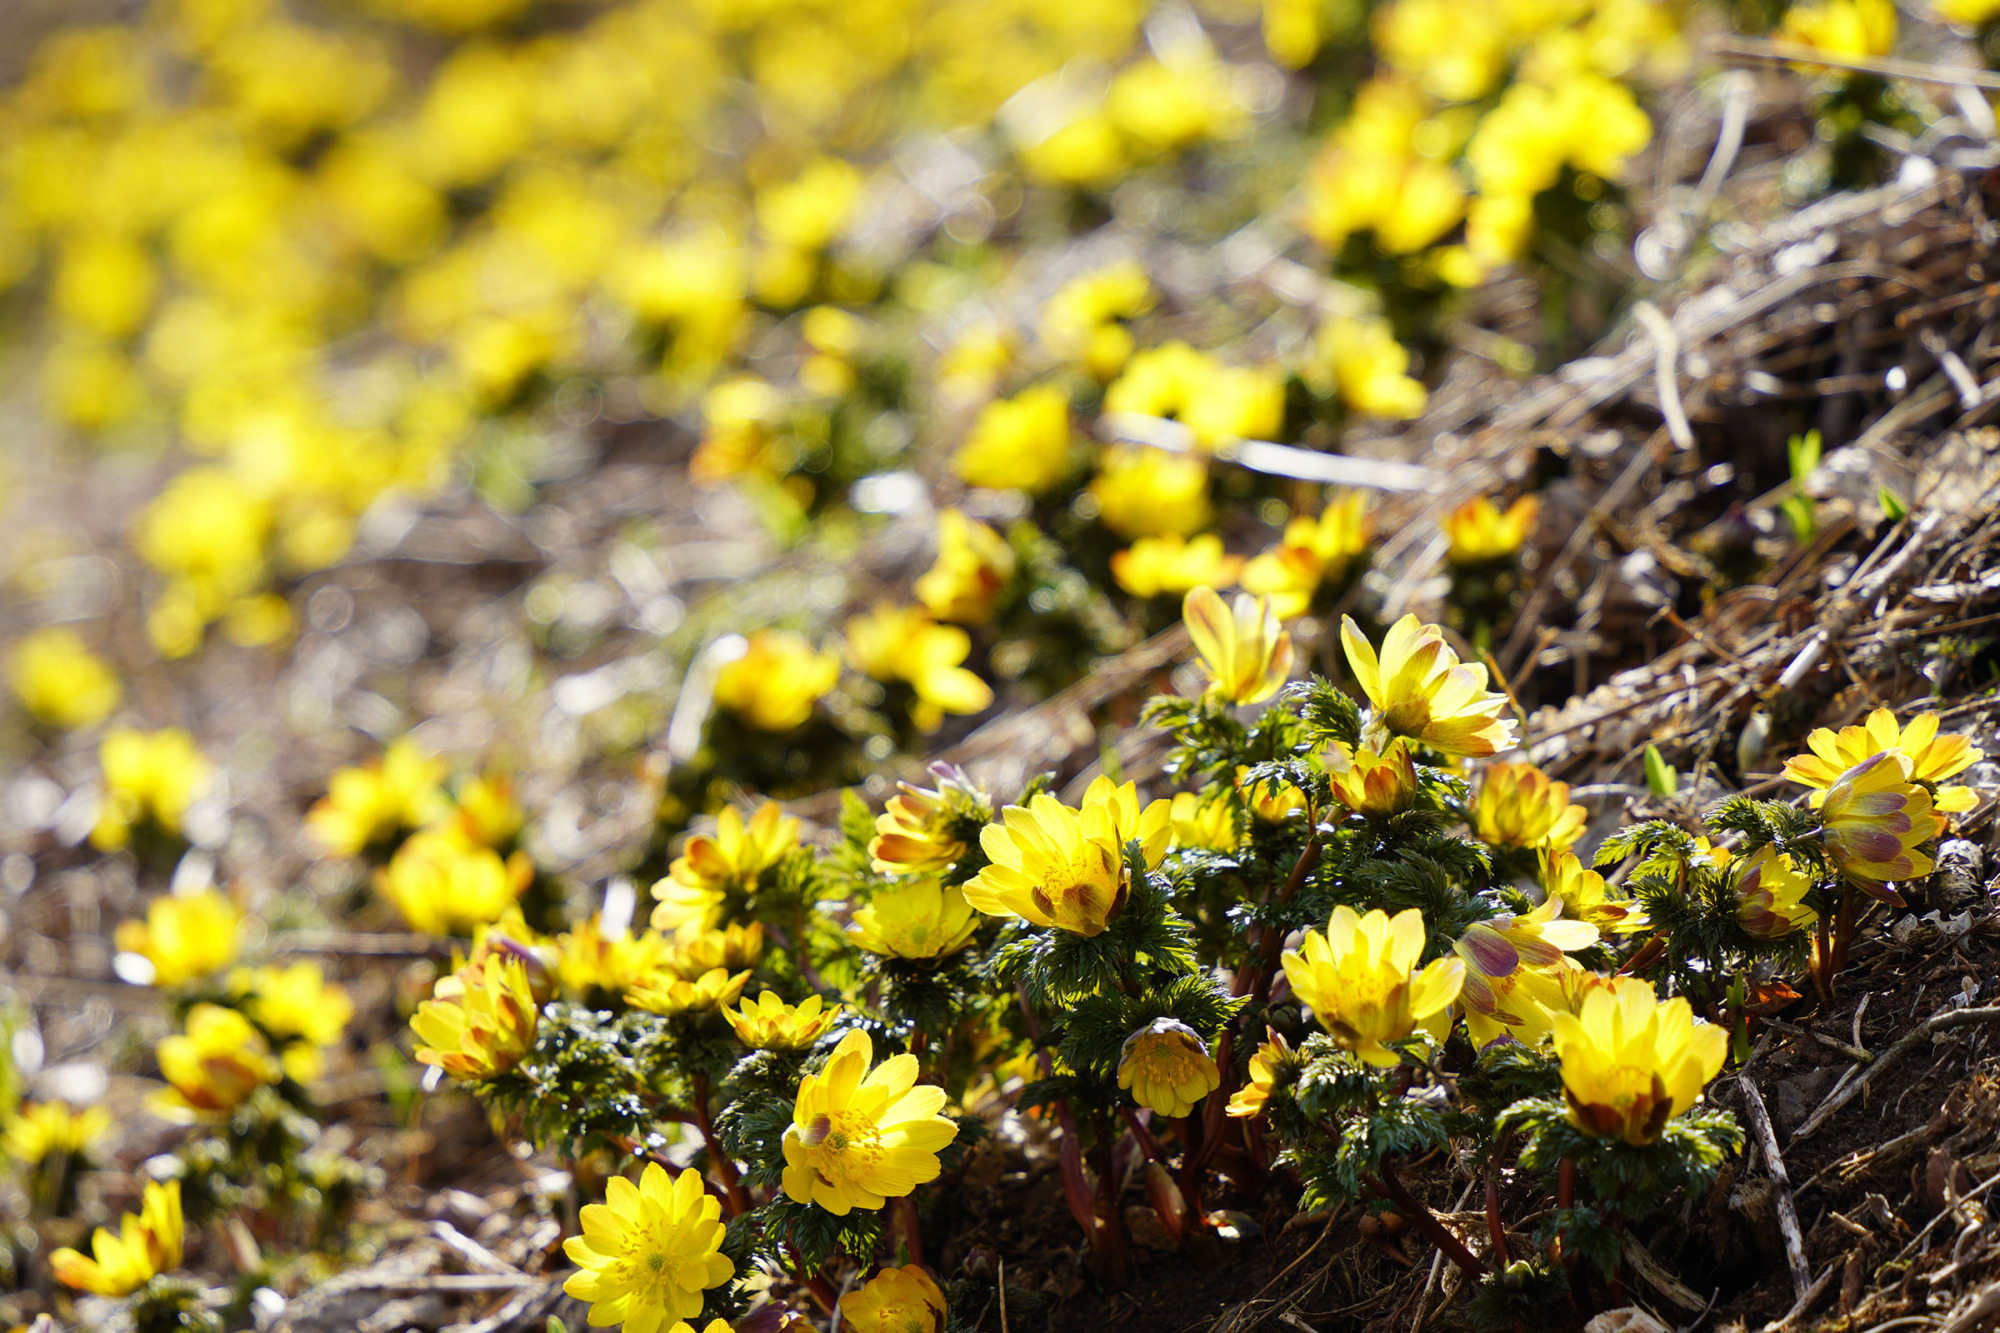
[1788, 1213]
[1931, 1225]
[1833, 1043]
[1666, 374]
[1944, 1022]
[1003, 1295]
[1951, 76]
[1803, 1303]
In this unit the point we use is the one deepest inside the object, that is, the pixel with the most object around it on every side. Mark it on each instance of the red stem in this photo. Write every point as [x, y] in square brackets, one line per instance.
[734, 1195]
[672, 1168]
[906, 1215]
[1423, 1219]
[1494, 1230]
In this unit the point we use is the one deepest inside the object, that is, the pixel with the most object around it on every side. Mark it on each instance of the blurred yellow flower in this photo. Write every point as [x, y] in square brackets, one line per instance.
[1853, 28]
[148, 776]
[1065, 869]
[1480, 533]
[1518, 806]
[769, 1024]
[1166, 565]
[480, 1020]
[186, 937]
[484, 810]
[1372, 784]
[1631, 1062]
[1314, 553]
[923, 829]
[1770, 893]
[1933, 758]
[1369, 368]
[895, 1300]
[1143, 492]
[444, 885]
[921, 919]
[1215, 402]
[775, 683]
[731, 861]
[649, 1251]
[1166, 1067]
[1020, 443]
[699, 949]
[902, 643]
[1202, 824]
[588, 960]
[1247, 654]
[666, 993]
[297, 1007]
[377, 802]
[213, 1066]
[1361, 981]
[859, 1136]
[39, 1130]
[1419, 689]
[1272, 803]
[974, 564]
[59, 680]
[143, 1247]
[1874, 820]
[1084, 321]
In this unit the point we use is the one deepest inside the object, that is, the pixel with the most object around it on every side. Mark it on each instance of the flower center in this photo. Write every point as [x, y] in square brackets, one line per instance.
[848, 1149]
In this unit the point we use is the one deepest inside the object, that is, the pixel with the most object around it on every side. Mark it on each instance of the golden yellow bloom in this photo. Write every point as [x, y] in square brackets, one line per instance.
[775, 683]
[1065, 868]
[1157, 566]
[214, 1066]
[1143, 492]
[1586, 897]
[1509, 964]
[444, 885]
[923, 830]
[1874, 820]
[480, 1020]
[1769, 895]
[1519, 807]
[1209, 825]
[648, 1252]
[485, 811]
[1247, 653]
[739, 428]
[43, 1129]
[1359, 980]
[895, 1300]
[861, 1137]
[143, 1247]
[588, 960]
[1215, 402]
[1630, 1063]
[973, 566]
[1372, 784]
[1020, 443]
[1269, 803]
[1419, 689]
[769, 1024]
[1082, 321]
[901, 643]
[732, 861]
[1480, 533]
[1312, 554]
[698, 948]
[147, 775]
[374, 804]
[1166, 1067]
[294, 1001]
[1933, 758]
[1369, 369]
[920, 919]
[185, 936]
[1853, 28]
[1255, 1094]
[665, 993]
[59, 680]
[1965, 13]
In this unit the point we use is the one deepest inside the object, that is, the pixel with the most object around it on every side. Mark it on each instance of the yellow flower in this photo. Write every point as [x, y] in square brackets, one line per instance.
[1157, 566]
[1210, 825]
[1065, 868]
[1480, 533]
[1853, 28]
[588, 960]
[1247, 654]
[895, 1300]
[60, 680]
[1020, 443]
[1265, 1064]
[665, 993]
[1369, 368]
[769, 1024]
[709, 869]
[1359, 981]
[901, 643]
[294, 1001]
[1273, 804]
[699, 948]
[648, 1252]
[775, 683]
[1965, 13]
[1215, 402]
[861, 1137]
[147, 775]
[1166, 1067]
[185, 936]
[1509, 963]
[1419, 689]
[1519, 807]
[378, 802]
[143, 1247]
[739, 428]
[1933, 758]
[1082, 321]
[1874, 820]
[444, 885]
[1312, 554]
[1769, 895]
[43, 1129]
[1143, 492]
[214, 1066]
[924, 830]
[480, 1020]
[486, 812]
[1372, 784]
[1586, 897]
[921, 919]
[1630, 1063]
[973, 566]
